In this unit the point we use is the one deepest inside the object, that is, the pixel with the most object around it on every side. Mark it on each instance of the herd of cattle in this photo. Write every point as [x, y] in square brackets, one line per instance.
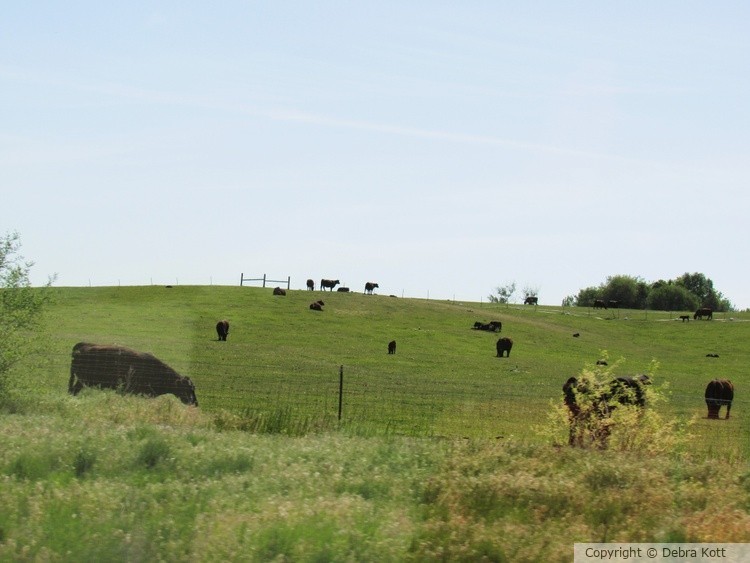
[330, 284]
[117, 367]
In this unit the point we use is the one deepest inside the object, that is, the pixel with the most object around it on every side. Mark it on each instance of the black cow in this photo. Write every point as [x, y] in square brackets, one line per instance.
[369, 286]
[588, 405]
[492, 326]
[116, 367]
[504, 345]
[600, 304]
[685, 318]
[719, 392]
[343, 289]
[392, 347]
[222, 329]
[317, 306]
[531, 300]
[279, 291]
[310, 285]
[703, 312]
[324, 283]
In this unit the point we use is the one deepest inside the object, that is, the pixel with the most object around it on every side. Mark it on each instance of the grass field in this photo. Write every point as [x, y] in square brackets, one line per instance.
[445, 452]
[282, 360]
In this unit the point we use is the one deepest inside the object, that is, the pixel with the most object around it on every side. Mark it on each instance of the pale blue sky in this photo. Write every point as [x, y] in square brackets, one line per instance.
[438, 148]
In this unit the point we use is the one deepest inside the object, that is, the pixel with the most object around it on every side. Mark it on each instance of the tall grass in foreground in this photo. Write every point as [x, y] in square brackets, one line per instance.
[114, 478]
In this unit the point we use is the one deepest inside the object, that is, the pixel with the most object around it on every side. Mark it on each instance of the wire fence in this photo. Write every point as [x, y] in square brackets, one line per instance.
[391, 402]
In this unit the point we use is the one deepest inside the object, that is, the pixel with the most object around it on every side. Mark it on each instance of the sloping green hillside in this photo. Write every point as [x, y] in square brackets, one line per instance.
[445, 378]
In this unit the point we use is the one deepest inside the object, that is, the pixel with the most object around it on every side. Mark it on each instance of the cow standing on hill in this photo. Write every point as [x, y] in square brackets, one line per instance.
[369, 286]
[324, 283]
[117, 367]
[310, 285]
[222, 329]
[531, 300]
[504, 345]
[719, 392]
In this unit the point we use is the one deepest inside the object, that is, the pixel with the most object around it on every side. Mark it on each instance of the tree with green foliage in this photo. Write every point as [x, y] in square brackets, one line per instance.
[703, 288]
[626, 290]
[669, 296]
[685, 293]
[587, 296]
[20, 306]
[504, 293]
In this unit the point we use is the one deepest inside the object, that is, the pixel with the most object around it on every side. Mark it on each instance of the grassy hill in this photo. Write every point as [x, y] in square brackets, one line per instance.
[438, 456]
[282, 360]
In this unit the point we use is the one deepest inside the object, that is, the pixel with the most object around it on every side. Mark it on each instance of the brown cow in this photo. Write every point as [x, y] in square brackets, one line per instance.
[719, 392]
[504, 345]
[317, 306]
[222, 329]
[117, 367]
[279, 291]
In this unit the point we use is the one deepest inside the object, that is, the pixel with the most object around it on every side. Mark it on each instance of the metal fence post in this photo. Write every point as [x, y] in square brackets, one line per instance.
[341, 389]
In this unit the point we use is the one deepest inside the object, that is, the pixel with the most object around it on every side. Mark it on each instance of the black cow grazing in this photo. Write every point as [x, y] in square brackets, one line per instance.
[317, 306]
[685, 318]
[531, 300]
[504, 345]
[613, 304]
[222, 329]
[310, 285]
[392, 347]
[703, 312]
[588, 405]
[600, 304]
[324, 283]
[116, 367]
[279, 291]
[719, 392]
[369, 286]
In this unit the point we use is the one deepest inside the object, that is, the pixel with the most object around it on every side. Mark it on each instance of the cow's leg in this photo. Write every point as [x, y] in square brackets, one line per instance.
[76, 388]
[729, 407]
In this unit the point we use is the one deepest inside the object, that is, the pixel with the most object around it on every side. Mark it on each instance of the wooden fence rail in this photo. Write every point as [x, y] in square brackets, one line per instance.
[264, 279]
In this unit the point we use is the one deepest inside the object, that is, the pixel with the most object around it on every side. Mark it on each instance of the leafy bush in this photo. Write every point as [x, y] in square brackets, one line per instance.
[20, 307]
[603, 422]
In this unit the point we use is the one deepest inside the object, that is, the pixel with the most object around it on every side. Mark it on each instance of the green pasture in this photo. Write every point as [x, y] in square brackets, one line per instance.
[444, 453]
[282, 360]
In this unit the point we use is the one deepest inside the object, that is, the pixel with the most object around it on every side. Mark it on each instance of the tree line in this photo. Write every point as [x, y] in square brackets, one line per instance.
[685, 293]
